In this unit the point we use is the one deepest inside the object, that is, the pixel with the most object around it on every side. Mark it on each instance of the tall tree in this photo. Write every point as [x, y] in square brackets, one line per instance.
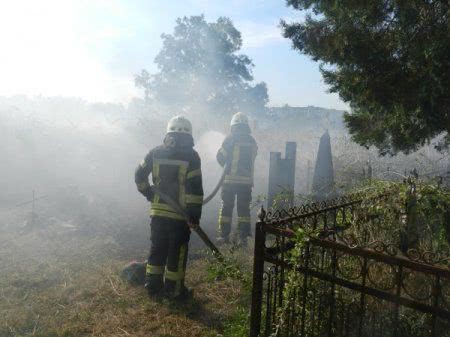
[389, 59]
[200, 70]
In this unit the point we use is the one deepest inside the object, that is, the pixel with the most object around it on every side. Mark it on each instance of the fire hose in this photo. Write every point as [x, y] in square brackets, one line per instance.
[200, 232]
[216, 189]
[177, 207]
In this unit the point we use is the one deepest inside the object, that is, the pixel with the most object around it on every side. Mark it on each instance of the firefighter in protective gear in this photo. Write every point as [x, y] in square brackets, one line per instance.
[176, 171]
[237, 155]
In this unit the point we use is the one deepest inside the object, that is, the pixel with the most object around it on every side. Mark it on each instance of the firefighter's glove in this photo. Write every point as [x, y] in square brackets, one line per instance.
[193, 225]
[149, 194]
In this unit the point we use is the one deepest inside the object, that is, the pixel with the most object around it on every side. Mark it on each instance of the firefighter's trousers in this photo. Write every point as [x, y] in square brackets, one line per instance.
[243, 195]
[166, 263]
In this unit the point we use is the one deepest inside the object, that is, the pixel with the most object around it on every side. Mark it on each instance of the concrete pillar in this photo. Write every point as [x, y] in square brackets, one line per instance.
[323, 180]
[282, 175]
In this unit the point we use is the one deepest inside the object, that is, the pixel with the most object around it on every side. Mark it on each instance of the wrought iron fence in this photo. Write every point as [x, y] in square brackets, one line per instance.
[339, 287]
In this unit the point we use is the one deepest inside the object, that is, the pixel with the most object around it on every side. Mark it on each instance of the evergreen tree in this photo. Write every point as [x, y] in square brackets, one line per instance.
[389, 59]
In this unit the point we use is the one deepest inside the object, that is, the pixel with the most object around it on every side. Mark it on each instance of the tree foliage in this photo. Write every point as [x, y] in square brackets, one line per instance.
[389, 59]
[200, 70]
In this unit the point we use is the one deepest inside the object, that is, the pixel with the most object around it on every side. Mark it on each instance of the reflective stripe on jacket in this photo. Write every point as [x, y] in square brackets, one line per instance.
[239, 152]
[177, 172]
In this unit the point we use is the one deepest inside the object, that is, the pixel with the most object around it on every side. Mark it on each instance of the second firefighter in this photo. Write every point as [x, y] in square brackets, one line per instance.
[237, 155]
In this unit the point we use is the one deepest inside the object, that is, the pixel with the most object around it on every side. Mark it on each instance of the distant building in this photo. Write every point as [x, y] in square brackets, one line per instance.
[309, 117]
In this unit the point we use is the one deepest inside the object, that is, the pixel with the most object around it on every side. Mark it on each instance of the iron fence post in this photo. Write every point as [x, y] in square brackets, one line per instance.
[435, 293]
[399, 280]
[258, 271]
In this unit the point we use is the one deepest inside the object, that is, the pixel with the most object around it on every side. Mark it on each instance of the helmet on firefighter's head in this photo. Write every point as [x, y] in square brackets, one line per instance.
[239, 118]
[179, 124]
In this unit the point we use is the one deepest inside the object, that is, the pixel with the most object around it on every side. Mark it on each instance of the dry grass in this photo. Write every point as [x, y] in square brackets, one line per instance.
[66, 284]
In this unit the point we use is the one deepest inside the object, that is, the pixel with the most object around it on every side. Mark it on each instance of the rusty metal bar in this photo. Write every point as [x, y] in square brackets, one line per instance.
[332, 295]
[275, 293]
[425, 308]
[396, 260]
[310, 214]
[268, 304]
[435, 293]
[281, 279]
[257, 288]
[398, 293]
[304, 291]
[362, 302]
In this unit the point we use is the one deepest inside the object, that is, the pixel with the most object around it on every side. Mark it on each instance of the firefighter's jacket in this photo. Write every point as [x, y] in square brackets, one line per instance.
[176, 170]
[238, 153]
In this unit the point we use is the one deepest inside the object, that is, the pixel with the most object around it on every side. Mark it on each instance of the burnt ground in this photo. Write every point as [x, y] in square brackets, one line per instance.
[62, 279]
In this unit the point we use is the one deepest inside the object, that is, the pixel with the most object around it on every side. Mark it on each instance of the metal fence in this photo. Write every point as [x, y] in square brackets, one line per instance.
[335, 287]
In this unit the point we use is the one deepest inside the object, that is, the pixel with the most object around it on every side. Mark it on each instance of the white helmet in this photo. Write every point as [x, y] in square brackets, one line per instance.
[179, 124]
[239, 118]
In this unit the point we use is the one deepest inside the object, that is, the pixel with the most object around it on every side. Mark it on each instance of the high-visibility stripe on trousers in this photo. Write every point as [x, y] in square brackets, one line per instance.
[166, 264]
[243, 194]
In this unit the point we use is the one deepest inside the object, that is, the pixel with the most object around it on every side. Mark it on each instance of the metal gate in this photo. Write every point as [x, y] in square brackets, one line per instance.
[340, 287]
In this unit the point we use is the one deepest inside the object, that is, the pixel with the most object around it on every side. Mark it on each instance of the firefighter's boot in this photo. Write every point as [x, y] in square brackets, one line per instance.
[176, 262]
[184, 296]
[154, 281]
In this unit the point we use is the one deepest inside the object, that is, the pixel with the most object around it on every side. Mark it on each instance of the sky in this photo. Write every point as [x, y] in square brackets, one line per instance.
[93, 48]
